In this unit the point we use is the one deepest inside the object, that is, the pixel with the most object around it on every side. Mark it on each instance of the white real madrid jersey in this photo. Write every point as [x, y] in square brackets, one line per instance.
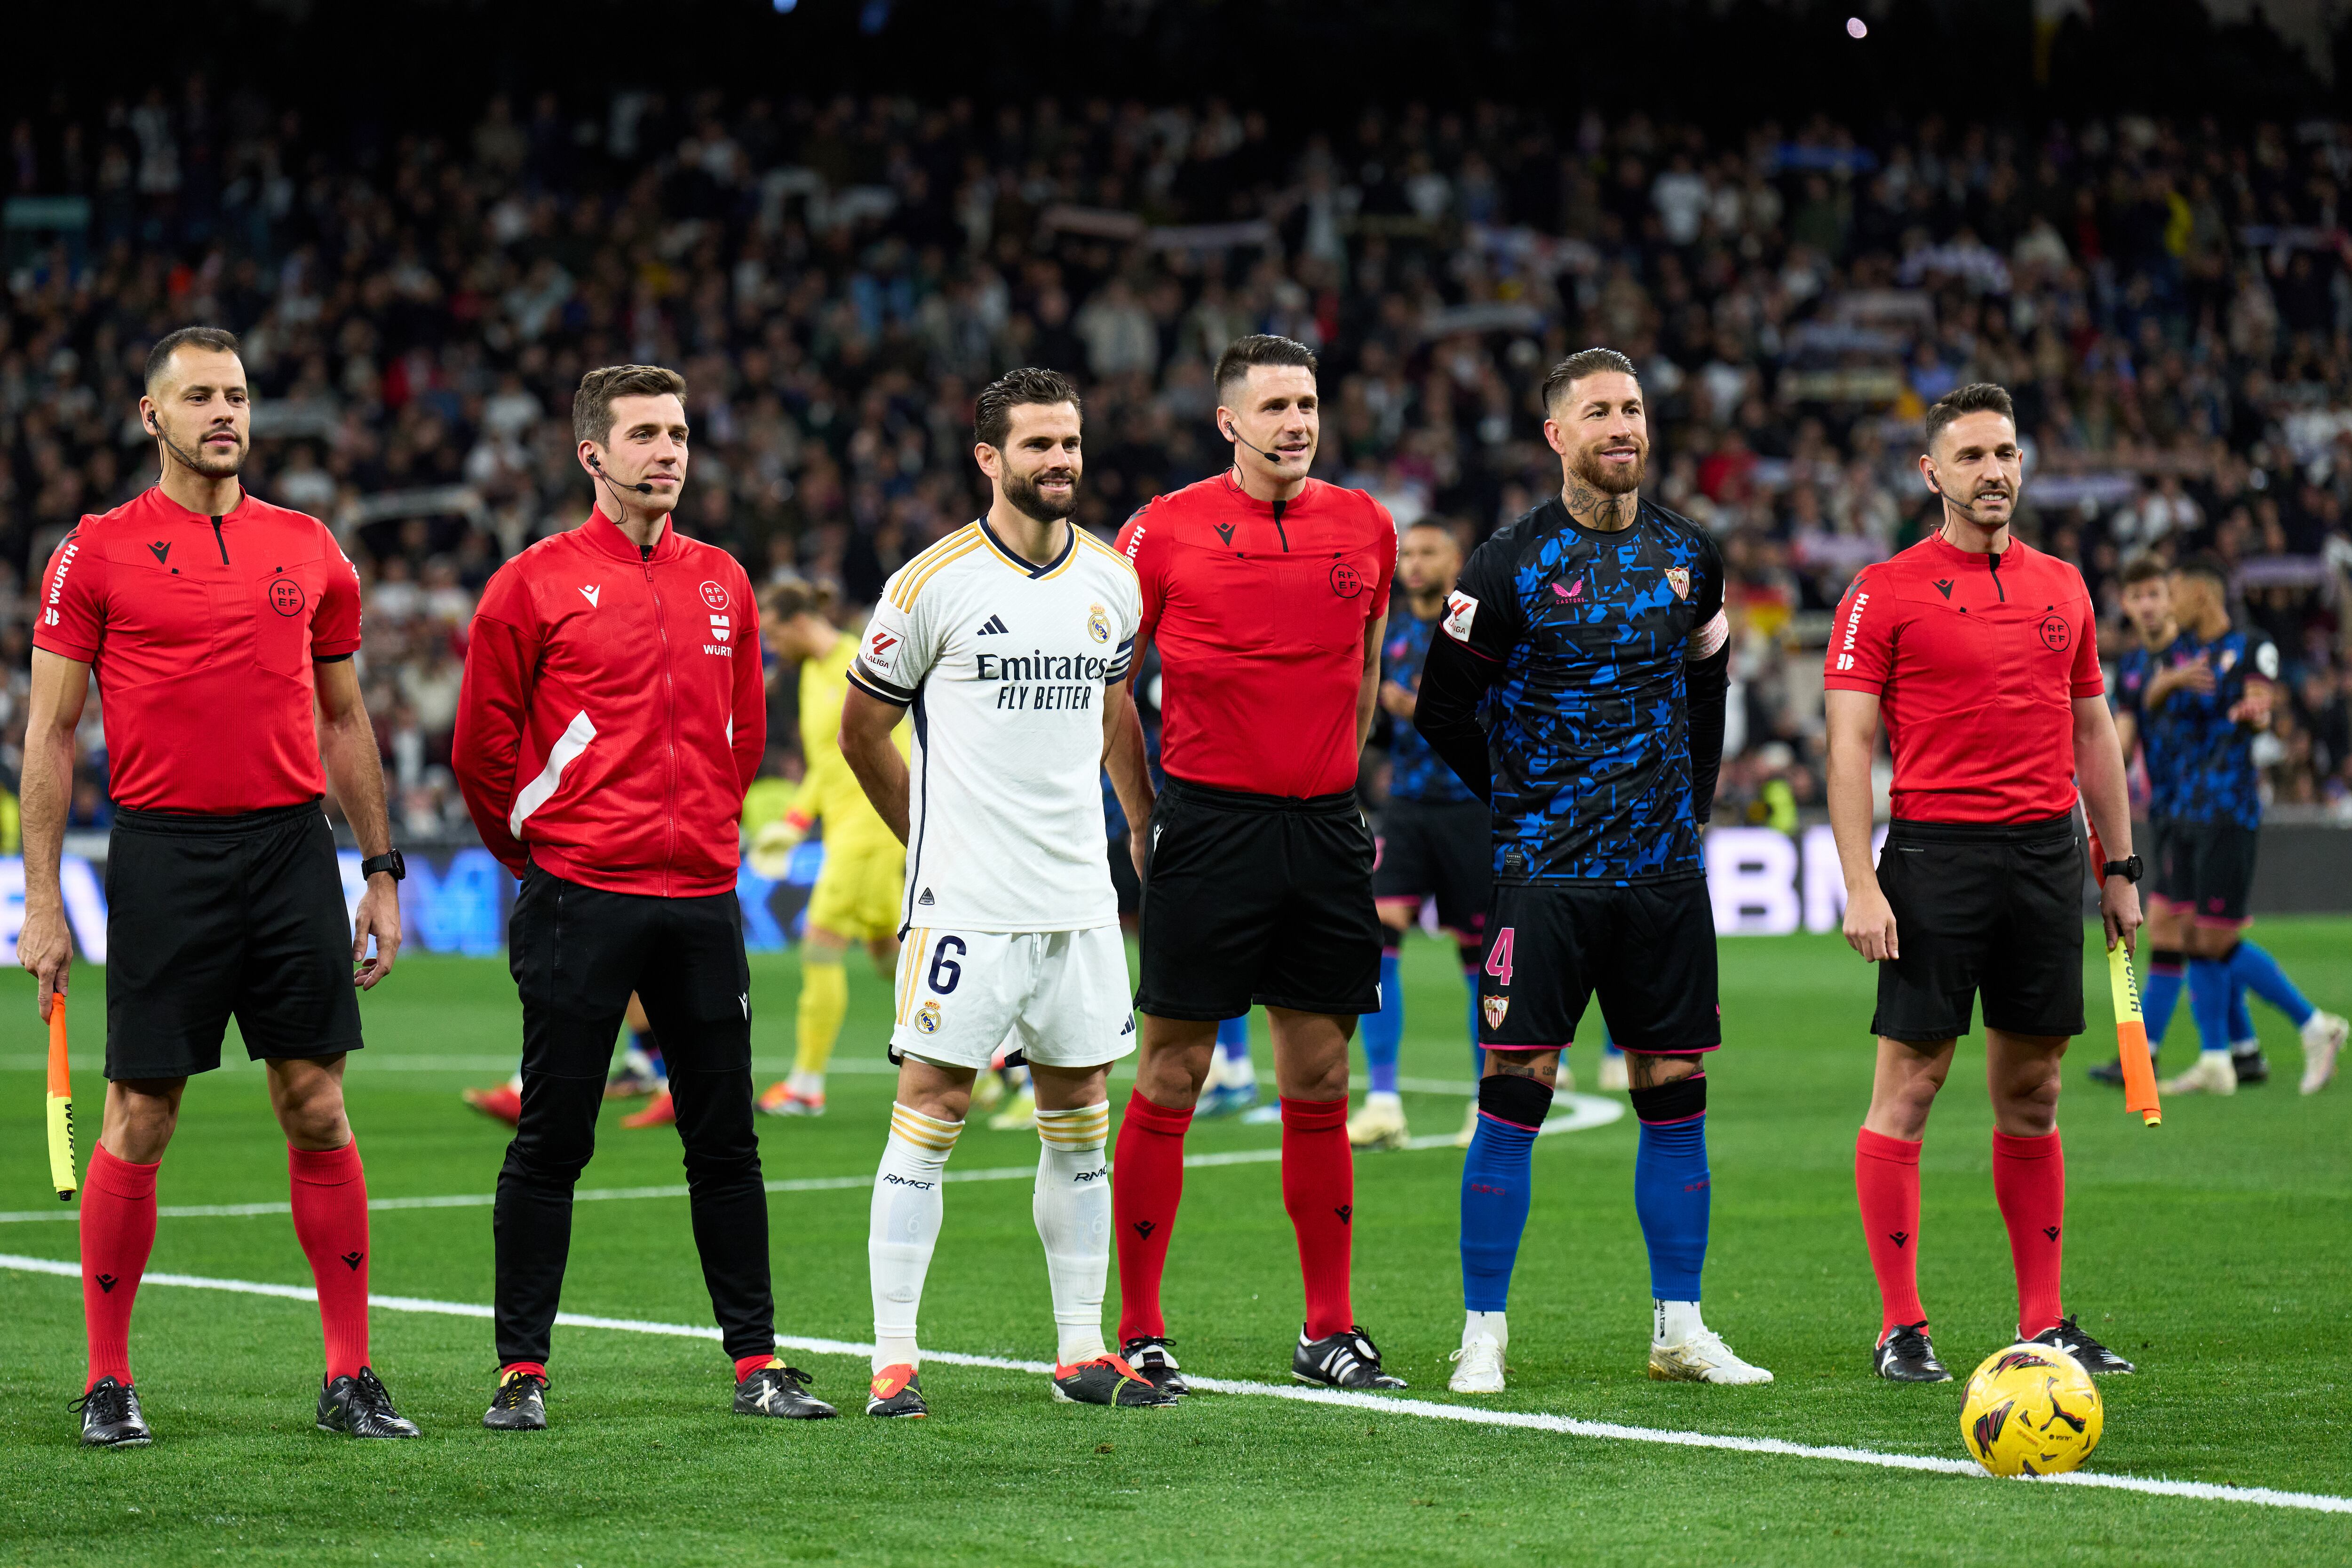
[1006, 666]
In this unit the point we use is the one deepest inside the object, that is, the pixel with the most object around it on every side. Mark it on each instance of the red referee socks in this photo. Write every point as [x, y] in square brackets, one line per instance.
[2029, 1182]
[118, 1232]
[330, 1221]
[1149, 1161]
[1886, 1181]
[1318, 1188]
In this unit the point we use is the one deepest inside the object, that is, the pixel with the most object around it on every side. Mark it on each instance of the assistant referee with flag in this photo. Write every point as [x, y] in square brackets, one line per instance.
[1980, 654]
[611, 717]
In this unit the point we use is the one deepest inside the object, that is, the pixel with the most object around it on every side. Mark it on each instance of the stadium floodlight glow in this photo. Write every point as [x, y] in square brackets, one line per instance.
[1856, 27]
[786, 8]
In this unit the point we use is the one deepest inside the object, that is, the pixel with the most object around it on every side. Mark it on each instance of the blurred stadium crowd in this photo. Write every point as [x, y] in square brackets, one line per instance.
[2170, 302]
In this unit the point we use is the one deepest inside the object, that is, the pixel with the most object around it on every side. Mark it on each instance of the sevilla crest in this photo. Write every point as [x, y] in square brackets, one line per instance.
[1678, 579]
[1493, 1007]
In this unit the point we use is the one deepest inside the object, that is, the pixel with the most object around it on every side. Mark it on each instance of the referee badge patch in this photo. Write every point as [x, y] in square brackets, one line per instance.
[1493, 1007]
[1678, 579]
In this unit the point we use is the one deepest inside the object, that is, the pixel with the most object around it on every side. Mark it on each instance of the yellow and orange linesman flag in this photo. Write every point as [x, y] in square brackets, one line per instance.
[2131, 1040]
[61, 1149]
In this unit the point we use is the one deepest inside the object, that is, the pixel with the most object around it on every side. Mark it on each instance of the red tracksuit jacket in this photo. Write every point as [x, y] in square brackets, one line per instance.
[613, 712]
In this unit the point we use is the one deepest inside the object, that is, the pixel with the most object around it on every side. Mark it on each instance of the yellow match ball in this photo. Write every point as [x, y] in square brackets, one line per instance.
[2031, 1410]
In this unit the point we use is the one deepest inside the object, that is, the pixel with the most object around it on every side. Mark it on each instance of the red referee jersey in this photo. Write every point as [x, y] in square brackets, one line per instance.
[612, 713]
[201, 630]
[1259, 613]
[1977, 662]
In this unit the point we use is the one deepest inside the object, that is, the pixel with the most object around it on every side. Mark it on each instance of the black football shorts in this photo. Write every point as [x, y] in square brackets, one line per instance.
[1443, 850]
[1991, 909]
[1256, 898]
[1646, 952]
[2204, 868]
[208, 916]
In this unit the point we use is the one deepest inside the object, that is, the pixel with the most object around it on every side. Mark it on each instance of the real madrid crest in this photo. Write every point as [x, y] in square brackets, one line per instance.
[1493, 1007]
[1678, 579]
[1097, 622]
[927, 1018]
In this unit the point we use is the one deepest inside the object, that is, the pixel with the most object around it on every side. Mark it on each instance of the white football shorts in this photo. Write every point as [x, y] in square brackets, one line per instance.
[1061, 998]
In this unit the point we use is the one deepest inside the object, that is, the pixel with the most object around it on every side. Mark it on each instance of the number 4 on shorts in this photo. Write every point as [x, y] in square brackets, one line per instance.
[1498, 957]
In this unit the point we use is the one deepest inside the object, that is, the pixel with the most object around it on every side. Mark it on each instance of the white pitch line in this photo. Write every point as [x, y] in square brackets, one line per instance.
[1607, 1431]
[1580, 1112]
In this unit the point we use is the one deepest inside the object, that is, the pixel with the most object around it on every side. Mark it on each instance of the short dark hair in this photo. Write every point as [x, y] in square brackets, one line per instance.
[1584, 363]
[789, 598]
[2145, 567]
[991, 411]
[592, 406]
[1976, 398]
[1260, 348]
[2205, 565]
[217, 339]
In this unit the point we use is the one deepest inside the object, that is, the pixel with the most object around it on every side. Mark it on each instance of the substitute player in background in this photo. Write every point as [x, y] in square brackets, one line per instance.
[214, 621]
[855, 898]
[1011, 639]
[2195, 694]
[612, 716]
[1267, 593]
[1982, 653]
[1437, 837]
[1593, 627]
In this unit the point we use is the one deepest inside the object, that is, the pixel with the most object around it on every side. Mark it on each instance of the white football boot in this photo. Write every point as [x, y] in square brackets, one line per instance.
[2211, 1075]
[1702, 1357]
[2323, 1039]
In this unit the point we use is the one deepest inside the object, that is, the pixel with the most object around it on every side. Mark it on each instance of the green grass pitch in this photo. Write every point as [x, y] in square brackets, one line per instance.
[2217, 1251]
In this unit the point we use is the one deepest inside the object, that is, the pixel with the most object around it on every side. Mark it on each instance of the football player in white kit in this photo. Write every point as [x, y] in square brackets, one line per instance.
[1010, 640]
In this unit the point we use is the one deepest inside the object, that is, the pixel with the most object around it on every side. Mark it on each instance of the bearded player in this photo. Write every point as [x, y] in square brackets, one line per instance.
[1595, 624]
[1011, 641]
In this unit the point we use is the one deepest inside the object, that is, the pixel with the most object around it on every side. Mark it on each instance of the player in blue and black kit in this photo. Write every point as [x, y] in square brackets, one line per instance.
[2195, 694]
[1592, 631]
[1435, 838]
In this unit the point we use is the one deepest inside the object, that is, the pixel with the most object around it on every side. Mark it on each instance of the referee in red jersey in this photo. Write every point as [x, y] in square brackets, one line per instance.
[1981, 655]
[214, 621]
[1267, 593]
[612, 716]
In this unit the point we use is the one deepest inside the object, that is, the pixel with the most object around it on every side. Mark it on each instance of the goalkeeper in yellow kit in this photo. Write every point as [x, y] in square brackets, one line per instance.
[857, 893]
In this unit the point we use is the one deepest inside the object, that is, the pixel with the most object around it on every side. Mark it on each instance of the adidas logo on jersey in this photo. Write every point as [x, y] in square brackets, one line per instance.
[927, 901]
[992, 626]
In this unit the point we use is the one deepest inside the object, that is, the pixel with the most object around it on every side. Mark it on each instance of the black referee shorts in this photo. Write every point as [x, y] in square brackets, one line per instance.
[1646, 952]
[210, 917]
[1438, 849]
[1257, 899]
[1995, 909]
[2206, 868]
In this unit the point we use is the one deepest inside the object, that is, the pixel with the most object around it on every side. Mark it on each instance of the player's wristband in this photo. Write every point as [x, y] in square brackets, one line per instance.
[391, 861]
[2127, 868]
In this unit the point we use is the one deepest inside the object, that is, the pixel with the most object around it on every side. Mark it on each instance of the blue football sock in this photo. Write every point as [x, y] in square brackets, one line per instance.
[2259, 973]
[1384, 1030]
[1670, 1185]
[2242, 1022]
[1233, 1038]
[2166, 972]
[2209, 1002]
[1497, 1177]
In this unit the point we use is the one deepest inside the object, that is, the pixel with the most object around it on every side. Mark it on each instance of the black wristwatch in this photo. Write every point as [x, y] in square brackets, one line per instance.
[390, 860]
[2128, 869]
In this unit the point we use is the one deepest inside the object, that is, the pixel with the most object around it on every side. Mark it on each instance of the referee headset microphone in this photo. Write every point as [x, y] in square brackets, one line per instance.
[155, 428]
[1275, 458]
[642, 489]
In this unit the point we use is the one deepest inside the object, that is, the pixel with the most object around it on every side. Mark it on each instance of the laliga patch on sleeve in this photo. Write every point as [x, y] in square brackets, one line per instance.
[1461, 609]
[880, 654]
[1705, 641]
[2267, 660]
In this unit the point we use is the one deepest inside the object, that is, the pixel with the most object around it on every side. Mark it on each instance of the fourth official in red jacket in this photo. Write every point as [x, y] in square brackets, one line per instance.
[613, 715]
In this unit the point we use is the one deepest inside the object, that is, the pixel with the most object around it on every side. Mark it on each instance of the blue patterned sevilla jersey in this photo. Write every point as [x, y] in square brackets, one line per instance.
[2201, 762]
[1591, 739]
[1415, 773]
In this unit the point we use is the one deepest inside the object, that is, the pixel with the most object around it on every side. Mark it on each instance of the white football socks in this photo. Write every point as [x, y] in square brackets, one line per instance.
[904, 1226]
[1489, 1325]
[1672, 1322]
[1073, 1214]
